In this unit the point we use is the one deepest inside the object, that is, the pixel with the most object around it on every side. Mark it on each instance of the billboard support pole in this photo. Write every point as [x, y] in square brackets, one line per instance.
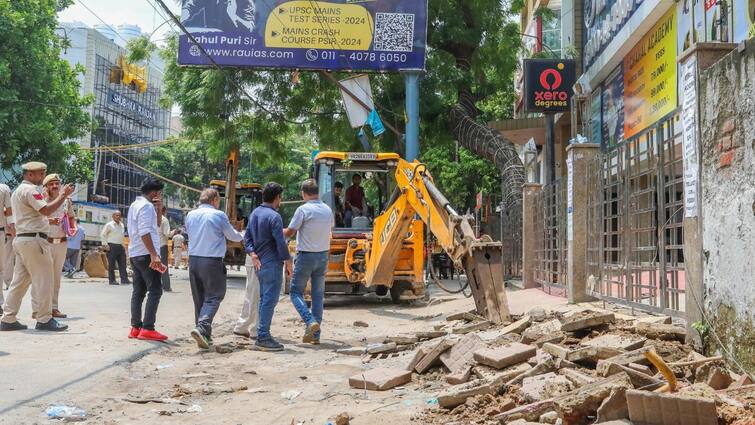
[411, 82]
[550, 147]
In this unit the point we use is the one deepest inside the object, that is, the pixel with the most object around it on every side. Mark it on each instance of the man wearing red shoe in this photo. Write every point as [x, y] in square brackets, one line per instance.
[144, 254]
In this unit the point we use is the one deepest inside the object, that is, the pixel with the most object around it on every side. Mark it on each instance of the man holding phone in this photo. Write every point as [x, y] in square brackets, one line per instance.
[144, 254]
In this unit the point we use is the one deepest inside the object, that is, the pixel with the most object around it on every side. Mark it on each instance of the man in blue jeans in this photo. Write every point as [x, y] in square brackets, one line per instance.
[265, 243]
[311, 224]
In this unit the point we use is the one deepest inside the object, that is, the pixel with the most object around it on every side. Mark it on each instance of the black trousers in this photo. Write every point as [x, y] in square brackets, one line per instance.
[147, 283]
[208, 285]
[116, 254]
[165, 276]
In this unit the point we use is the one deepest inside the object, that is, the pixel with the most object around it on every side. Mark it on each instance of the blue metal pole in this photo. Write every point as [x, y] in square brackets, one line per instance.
[411, 82]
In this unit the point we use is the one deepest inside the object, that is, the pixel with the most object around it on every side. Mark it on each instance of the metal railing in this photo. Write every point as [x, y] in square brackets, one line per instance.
[634, 213]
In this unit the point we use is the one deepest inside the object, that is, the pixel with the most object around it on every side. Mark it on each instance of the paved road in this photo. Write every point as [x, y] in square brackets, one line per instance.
[38, 367]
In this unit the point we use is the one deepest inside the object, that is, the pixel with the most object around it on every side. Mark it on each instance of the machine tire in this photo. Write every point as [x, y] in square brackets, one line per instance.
[397, 289]
[381, 290]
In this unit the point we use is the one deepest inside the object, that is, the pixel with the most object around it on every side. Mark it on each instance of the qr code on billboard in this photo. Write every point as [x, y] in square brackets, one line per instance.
[394, 32]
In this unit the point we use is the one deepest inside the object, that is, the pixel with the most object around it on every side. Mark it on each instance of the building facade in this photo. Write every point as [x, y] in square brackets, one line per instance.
[126, 110]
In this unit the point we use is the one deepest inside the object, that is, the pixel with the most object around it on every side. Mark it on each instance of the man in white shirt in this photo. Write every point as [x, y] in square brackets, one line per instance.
[164, 236]
[112, 240]
[144, 253]
[7, 227]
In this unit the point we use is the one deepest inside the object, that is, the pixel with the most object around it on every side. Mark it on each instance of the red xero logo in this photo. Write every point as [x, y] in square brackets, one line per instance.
[556, 79]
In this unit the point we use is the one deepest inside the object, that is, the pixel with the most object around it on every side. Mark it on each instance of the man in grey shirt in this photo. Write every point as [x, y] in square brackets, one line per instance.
[311, 224]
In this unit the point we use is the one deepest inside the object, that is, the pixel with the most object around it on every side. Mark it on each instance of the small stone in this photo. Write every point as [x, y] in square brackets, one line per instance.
[549, 418]
[343, 419]
[537, 314]
[719, 378]
[361, 324]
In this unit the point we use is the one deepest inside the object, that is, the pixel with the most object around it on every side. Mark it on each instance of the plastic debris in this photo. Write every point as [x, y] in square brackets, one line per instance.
[290, 394]
[66, 413]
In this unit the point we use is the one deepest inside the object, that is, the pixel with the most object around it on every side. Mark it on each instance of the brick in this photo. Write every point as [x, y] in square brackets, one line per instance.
[725, 159]
[432, 356]
[641, 368]
[614, 406]
[506, 355]
[619, 342]
[380, 379]
[381, 348]
[517, 327]
[576, 377]
[430, 335]
[587, 321]
[541, 387]
[462, 353]
[585, 400]
[661, 331]
[460, 376]
[741, 381]
[401, 340]
[535, 332]
[457, 395]
[528, 412]
[555, 350]
[418, 355]
[472, 327]
[639, 379]
[718, 378]
[502, 376]
[670, 409]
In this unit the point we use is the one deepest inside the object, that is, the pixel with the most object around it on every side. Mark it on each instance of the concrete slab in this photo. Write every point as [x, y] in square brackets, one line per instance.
[661, 331]
[587, 320]
[418, 355]
[537, 331]
[614, 406]
[505, 355]
[541, 387]
[577, 378]
[433, 356]
[626, 342]
[457, 395]
[380, 379]
[517, 327]
[670, 409]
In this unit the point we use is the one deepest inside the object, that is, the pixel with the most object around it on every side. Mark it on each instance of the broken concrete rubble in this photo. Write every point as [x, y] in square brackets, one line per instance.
[535, 332]
[661, 331]
[472, 327]
[540, 387]
[460, 376]
[433, 356]
[380, 379]
[462, 353]
[506, 355]
[517, 327]
[670, 409]
[460, 393]
[585, 400]
[587, 320]
[626, 342]
[614, 406]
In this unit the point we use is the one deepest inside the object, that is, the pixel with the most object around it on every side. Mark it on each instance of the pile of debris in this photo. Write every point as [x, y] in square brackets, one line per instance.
[577, 367]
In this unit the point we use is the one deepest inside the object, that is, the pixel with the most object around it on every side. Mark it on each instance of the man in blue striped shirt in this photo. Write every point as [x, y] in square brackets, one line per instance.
[208, 229]
[265, 243]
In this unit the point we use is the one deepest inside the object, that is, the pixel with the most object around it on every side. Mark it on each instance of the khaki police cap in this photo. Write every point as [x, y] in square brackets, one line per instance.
[34, 166]
[49, 178]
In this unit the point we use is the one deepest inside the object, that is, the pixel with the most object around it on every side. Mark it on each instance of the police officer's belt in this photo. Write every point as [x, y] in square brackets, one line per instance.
[33, 235]
[56, 240]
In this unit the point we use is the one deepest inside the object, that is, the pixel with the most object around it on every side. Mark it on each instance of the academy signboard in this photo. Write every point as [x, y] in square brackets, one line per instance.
[377, 35]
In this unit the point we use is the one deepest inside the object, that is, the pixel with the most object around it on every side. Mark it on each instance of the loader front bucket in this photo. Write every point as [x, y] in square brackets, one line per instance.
[485, 275]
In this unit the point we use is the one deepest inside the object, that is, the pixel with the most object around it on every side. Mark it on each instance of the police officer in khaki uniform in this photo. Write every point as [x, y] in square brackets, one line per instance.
[33, 256]
[7, 228]
[57, 236]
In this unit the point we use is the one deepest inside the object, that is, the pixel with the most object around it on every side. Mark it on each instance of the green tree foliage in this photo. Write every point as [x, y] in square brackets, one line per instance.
[40, 105]
[472, 47]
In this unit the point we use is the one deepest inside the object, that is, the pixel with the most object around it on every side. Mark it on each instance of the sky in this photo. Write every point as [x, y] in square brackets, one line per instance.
[117, 12]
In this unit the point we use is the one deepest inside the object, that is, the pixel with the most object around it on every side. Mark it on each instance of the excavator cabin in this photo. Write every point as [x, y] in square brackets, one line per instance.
[358, 187]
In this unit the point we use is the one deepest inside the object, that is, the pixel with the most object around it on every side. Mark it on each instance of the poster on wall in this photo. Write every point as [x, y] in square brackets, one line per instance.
[690, 135]
[378, 35]
[596, 122]
[744, 20]
[613, 110]
[718, 20]
[650, 77]
[686, 35]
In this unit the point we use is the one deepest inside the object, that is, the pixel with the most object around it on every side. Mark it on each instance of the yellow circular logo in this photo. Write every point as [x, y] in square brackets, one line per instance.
[560, 66]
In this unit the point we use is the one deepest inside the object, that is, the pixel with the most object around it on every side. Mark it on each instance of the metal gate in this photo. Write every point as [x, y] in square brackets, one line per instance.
[550, 229]
[635, 210]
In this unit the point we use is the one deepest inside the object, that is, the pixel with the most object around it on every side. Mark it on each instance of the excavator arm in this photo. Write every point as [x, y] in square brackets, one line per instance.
[416, 196]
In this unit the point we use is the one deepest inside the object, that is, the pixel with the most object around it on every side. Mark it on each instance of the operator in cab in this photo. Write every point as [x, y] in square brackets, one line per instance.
[355, 205]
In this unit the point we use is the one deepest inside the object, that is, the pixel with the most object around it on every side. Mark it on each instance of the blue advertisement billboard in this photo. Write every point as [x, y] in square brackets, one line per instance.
[377, 35]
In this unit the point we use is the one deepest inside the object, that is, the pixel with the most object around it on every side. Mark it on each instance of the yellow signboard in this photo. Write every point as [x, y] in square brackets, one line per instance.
[319, 25]
[650, 77]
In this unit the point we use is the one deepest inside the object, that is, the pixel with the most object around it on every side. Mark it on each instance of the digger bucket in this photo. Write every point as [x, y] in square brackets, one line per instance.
[485, 274]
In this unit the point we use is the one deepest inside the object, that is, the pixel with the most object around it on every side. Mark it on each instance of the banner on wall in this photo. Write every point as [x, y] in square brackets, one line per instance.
[613, 110]
[744, 20]
[377, 35]
[690, 135]
[718, 20]
[650, 77]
